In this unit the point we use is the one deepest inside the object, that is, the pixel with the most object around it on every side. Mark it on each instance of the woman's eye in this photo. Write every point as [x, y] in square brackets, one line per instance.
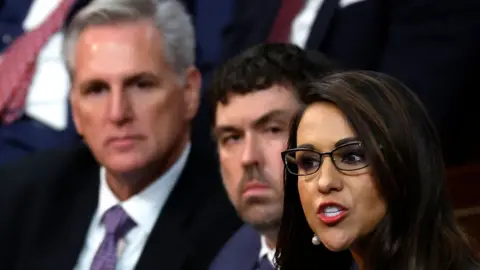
[308, 163]
[352, 158]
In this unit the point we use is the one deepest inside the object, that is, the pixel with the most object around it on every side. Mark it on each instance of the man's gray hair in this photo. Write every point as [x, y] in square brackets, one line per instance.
[168, 16]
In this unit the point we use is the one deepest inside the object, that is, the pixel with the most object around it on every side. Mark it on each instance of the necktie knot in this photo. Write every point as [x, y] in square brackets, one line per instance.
[117, 222]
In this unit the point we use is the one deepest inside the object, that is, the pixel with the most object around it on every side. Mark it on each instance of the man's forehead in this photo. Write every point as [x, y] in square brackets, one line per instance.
[275, 95]
[247, 114]
[251, 114]
[108, 55]
[144, 28]
[123, 38]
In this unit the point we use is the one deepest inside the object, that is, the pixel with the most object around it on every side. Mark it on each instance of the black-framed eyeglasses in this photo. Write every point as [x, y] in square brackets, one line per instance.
[306, 161]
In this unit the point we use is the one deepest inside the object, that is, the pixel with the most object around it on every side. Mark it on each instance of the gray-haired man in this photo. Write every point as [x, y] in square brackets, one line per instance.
[140, 196]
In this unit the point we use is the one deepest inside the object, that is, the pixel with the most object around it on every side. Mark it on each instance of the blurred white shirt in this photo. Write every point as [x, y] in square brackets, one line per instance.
[48, 93]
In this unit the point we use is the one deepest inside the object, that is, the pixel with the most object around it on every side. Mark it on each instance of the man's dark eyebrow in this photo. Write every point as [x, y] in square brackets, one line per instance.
[127, 81]
[271, 115]
[217, 131]
[89, 83]
[141, 75]
[262, 120]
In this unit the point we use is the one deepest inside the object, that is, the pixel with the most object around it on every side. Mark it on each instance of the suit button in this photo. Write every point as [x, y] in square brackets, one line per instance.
[6, 39]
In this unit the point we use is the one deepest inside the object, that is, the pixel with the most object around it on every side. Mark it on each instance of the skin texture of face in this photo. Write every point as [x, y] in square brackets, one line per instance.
[252, 130]
[322, 126]
[127, 102]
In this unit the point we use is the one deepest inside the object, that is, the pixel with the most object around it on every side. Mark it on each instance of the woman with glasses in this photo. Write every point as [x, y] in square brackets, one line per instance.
[365, 183]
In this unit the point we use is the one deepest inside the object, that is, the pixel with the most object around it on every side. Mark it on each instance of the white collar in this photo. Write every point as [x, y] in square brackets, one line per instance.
[265, 250]
[145, 206]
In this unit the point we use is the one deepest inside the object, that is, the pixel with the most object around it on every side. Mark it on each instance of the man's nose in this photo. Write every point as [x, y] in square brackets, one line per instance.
[252, 152]
[119, 106]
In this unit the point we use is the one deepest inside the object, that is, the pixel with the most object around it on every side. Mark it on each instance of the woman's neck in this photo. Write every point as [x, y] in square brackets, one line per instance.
[359, 253]
[359, 261]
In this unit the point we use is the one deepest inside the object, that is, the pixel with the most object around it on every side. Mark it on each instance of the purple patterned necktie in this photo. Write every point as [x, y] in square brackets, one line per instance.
[265, 264]
[117, 224]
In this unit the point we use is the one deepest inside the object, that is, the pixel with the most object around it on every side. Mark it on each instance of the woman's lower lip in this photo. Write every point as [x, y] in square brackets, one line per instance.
[330, 219]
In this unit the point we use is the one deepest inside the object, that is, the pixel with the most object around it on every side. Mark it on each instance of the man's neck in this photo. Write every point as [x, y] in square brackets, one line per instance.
[271, 238]
[125, 187]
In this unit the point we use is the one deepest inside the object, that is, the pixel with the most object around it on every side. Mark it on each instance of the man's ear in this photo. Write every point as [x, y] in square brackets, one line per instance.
[192, 86]
[73, 99]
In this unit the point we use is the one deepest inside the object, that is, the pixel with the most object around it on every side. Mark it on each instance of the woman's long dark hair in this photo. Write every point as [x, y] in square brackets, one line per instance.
[419, 231]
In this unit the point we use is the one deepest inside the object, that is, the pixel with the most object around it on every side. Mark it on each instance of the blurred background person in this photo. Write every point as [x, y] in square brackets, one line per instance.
[34, 109]
[430, 45]
[211, 18]
[35, 77]
[141, 195]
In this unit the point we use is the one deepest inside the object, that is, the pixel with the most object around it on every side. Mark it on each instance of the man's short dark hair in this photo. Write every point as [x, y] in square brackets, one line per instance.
[265, 65]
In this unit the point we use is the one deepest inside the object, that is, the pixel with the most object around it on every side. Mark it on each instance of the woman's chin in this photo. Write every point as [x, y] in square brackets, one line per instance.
[336, 247]
[336, 243]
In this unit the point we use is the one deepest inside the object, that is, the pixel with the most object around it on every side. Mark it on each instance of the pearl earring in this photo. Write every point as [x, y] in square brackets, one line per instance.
[315, 240]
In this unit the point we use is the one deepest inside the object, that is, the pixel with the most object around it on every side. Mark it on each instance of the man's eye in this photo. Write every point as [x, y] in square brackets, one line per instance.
[144, 84]
[274, 130]
[230, 139]
[96, 89]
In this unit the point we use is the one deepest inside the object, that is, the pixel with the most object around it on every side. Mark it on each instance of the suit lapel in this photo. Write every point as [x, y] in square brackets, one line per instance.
[254, 19]
[321, 24]
[168, 243]
[65, 233]
[248, 249]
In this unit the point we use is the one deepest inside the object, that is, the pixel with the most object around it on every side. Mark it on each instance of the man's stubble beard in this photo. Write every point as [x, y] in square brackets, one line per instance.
[248, 209]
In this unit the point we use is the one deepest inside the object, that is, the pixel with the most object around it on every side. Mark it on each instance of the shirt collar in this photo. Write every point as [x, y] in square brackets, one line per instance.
[145, 206]
[265, 250]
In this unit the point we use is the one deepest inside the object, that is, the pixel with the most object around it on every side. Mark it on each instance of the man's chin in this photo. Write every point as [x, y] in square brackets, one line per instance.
[125, 164]
[262, 217]
[265, 225]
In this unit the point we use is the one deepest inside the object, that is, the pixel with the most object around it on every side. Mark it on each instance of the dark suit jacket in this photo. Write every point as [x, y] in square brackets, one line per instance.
[430, 45]
[240, 252]
[209, 25]
[47, 202]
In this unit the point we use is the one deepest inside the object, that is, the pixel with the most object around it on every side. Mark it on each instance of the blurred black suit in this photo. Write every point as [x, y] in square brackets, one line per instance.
[430, 45]
[48, 200]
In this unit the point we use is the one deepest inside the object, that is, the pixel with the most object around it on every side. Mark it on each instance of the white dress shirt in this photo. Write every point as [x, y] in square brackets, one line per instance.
[265, 250]
[48, 93]
[303, 22]
[144, 208]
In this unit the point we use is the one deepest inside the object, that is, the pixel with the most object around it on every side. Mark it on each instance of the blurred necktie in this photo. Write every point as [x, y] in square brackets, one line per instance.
[117, 224]
[283, 22]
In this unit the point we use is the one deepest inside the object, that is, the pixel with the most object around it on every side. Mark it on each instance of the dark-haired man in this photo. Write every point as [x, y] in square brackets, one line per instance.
[255, 95]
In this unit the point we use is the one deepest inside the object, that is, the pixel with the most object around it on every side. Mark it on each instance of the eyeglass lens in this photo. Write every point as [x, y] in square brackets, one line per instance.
[348, 157]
